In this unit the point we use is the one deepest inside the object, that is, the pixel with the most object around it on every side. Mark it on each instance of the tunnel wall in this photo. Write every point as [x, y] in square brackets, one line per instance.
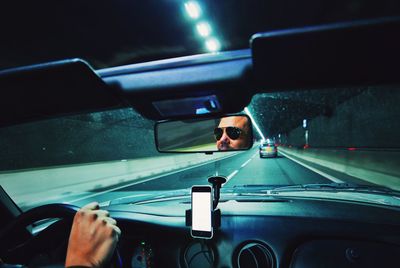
[77, 139]
[360, 139]
[368, 120]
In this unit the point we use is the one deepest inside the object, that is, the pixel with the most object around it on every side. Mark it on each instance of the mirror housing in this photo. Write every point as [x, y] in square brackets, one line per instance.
[216, 134]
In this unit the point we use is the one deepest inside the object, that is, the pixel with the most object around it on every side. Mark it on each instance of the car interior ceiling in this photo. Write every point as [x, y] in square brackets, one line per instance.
[286, 232]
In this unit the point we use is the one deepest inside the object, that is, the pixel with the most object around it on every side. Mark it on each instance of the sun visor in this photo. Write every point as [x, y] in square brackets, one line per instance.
[354, 53]
[52, 89]
[186, 87]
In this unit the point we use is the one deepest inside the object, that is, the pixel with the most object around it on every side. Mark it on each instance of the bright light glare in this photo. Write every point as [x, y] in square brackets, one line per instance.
[213, 45]
[193, 9]
[246, 110]
[203, 28]
[304, 123]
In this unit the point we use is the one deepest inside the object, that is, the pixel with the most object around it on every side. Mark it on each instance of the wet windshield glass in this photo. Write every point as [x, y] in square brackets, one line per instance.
[344, 136]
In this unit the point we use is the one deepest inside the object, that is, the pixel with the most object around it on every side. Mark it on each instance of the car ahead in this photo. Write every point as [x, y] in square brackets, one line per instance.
[268, 149]
[76, 131]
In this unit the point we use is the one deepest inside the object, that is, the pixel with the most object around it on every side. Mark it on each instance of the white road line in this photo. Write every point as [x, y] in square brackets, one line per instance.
[149, 179]
[231, 175]
[329, 177]
[245, 163]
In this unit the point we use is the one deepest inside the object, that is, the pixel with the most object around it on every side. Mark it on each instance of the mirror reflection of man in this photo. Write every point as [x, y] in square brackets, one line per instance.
[232, 133]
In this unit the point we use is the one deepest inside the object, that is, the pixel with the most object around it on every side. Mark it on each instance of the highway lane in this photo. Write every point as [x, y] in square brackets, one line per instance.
[245, 168]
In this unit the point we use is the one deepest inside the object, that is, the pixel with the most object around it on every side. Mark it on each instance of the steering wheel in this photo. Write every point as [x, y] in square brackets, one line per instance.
[11, 242]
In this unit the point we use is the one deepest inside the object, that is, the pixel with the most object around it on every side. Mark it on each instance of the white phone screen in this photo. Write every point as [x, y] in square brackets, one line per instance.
[201, 215]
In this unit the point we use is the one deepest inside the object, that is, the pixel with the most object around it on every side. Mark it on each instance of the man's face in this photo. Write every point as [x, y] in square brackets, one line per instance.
[227, 142]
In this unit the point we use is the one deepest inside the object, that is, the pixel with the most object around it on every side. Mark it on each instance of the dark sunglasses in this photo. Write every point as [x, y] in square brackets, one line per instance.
[232, 132]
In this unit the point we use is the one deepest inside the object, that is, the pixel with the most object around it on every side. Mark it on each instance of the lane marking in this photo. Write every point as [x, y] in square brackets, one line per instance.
[149, 179]
[329, 177]
[245, 163]
[231, 175]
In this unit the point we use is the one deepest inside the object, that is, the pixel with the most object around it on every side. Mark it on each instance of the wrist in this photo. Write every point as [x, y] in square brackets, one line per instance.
[76, 262]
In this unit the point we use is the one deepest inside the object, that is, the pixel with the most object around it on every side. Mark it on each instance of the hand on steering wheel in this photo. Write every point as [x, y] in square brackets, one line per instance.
[94, 236]
[92, 241]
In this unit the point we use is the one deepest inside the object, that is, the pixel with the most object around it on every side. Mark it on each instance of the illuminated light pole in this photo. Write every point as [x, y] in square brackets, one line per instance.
[305, 133]
[246, 110]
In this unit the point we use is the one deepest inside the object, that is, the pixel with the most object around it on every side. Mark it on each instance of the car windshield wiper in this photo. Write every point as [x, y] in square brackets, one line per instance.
[150, 196]
[273, 189]
[336, 187]
[254, 187]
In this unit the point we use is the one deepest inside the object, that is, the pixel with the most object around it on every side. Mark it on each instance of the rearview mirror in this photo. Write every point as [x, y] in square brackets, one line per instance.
[227, 133]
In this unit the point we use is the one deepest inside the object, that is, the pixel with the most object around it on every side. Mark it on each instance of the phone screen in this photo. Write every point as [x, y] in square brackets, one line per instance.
[201, 211]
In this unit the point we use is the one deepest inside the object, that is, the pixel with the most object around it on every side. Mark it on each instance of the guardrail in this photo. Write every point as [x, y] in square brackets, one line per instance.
[381, 167]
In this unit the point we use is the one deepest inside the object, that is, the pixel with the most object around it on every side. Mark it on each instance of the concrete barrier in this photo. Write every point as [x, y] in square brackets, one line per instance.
[38, 186]
[381, 167]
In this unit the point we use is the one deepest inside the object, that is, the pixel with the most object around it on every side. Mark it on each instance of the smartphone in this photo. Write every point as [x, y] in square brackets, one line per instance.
[202, 212]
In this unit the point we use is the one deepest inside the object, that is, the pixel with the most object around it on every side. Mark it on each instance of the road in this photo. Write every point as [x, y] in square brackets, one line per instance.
[243, 168]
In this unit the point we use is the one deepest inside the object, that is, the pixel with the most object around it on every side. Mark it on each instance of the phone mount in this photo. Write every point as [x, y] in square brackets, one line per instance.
[216, 182]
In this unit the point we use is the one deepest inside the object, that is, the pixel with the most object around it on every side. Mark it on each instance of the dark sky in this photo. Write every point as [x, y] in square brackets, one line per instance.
[116, 32]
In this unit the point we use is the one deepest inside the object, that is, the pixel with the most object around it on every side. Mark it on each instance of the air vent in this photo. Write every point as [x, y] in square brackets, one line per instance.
[255, 254]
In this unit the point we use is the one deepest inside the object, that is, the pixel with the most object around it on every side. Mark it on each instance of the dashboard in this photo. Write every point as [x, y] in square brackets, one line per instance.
[287, 232]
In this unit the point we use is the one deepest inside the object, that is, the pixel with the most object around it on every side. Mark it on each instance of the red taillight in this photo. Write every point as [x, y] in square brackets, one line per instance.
[351, 149]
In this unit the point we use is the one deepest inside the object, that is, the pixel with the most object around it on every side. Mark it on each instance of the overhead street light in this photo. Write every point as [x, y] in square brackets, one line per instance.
[193, 9]
[203, 28]
[213, 45]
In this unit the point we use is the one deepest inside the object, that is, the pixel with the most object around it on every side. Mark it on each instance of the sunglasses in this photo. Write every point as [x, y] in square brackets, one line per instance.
[232, 132]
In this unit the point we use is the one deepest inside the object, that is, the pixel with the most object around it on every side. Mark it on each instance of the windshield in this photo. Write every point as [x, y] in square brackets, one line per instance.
[347, 136]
